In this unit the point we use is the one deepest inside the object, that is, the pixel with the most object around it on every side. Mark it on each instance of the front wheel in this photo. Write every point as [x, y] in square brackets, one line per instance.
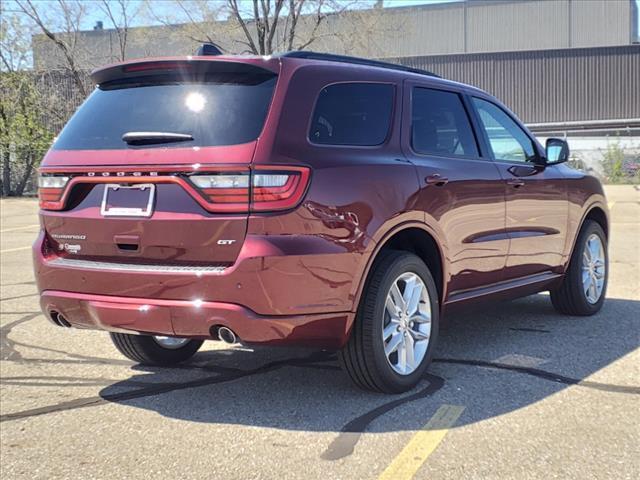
[585, 283]
[396, 326]
[155, 350]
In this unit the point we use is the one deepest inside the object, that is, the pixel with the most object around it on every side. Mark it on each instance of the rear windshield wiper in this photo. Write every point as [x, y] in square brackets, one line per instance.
[150, 138]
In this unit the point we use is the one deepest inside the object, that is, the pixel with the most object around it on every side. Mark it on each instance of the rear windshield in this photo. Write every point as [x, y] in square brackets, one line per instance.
[219, 109]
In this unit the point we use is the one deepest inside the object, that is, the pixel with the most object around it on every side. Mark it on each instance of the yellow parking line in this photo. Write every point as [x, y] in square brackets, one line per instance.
[9, 250]
[423, 443]
[15, 229]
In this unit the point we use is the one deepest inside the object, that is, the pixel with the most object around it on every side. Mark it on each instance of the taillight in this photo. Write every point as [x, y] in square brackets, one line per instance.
[278, 190]
[264, 189]
[224, 188]
[50, 190]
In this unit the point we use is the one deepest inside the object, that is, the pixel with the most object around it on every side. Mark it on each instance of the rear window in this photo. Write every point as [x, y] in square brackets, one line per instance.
[352, 114]
[217, 109]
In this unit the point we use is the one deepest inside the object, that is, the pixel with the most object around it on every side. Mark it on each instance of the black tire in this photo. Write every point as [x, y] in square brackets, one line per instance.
[363, 356]
[570, 298]
[145, 350]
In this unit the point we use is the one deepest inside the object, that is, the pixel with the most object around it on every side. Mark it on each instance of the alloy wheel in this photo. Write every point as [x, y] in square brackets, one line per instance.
[593, 268]
[171, 343]
[407, 323]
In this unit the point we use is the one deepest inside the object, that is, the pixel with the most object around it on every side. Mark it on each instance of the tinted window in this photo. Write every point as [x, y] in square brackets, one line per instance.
[221, 110]
[508, 141]
[440, 125]
[352, 114]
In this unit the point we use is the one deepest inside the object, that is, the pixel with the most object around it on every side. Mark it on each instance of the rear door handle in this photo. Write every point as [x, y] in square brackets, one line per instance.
[515, 182]
[436, 180]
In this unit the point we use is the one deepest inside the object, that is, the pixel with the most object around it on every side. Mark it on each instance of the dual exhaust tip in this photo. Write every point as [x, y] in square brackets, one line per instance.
[225, 334]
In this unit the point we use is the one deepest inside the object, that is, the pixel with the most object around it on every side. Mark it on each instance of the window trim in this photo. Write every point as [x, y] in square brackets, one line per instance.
[483, 132]
[392, 114]
[460, 95]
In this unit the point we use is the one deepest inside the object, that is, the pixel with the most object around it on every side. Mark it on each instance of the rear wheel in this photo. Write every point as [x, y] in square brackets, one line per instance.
[583, 289]
[155, 350]
[396, 327]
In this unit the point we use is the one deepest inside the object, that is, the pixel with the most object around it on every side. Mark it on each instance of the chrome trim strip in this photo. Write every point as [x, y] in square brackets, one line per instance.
[529, 280]
[132, 267]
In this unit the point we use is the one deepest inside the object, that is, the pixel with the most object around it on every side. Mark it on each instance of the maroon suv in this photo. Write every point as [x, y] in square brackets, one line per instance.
[305, 199]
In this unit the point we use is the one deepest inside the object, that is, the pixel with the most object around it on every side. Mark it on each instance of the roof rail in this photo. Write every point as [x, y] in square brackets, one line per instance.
[330, 57]
[207, 49]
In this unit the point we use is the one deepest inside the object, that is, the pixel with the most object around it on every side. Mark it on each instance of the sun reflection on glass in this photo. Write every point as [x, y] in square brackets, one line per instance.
[195, 102]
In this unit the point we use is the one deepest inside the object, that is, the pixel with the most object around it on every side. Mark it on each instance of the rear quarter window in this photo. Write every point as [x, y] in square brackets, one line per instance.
[357, 114]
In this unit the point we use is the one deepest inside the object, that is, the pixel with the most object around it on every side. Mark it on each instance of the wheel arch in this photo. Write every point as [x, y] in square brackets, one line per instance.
[419, 239]
[597, 212]
[598, 215]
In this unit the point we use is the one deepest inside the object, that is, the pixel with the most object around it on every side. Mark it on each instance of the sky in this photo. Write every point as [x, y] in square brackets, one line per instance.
[98, 15]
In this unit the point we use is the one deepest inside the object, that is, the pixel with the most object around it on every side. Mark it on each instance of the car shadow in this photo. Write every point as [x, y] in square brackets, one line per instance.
[493, 361]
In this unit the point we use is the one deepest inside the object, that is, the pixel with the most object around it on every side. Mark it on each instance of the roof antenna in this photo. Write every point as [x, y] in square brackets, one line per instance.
[208, 49]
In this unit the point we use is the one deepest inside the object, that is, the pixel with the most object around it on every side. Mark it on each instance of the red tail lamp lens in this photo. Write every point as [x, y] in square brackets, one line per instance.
[50, 190]
[224, 188]
[278, 190]
[260, 190]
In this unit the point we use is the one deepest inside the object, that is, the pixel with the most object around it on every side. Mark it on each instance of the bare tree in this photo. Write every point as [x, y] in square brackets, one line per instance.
[120, 13]
[276, 22]
[259, 27]
[197, 21]
[70, 14]
[15, 47]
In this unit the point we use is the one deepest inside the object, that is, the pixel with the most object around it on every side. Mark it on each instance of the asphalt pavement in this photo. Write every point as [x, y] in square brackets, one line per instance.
[516, 391]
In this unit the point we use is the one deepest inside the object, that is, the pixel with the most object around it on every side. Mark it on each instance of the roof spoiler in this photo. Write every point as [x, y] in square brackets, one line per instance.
[183, 67]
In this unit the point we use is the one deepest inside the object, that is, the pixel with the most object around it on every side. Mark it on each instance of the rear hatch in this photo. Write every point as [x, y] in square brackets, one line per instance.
[154, 167]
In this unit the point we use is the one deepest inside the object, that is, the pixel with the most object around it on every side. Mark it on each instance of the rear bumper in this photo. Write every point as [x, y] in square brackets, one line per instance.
[274, 275]
[194, 319]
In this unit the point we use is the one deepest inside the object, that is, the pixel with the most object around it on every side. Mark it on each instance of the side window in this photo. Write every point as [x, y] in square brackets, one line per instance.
[352, 114]
[440, 125]
[508, 141]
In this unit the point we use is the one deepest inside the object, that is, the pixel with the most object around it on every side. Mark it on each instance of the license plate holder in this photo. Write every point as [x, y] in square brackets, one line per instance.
[128, 200]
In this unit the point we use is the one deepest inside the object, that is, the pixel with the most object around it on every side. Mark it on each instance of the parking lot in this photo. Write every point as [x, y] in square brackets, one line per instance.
[515, 391]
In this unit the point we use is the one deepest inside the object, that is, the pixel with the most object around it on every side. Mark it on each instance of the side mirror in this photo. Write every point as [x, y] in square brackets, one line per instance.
[557, 151]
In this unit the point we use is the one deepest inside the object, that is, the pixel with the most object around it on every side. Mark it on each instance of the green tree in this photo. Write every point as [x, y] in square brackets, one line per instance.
[23, 136]
[620, 166]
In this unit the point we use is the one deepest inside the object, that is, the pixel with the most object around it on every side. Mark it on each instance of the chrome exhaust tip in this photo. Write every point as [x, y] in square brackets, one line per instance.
[58, 319]
[63, 321]
[227, 335]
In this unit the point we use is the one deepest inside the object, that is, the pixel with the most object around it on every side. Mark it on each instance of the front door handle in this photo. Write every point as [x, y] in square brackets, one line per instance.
[437, 180]
[515, 182]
